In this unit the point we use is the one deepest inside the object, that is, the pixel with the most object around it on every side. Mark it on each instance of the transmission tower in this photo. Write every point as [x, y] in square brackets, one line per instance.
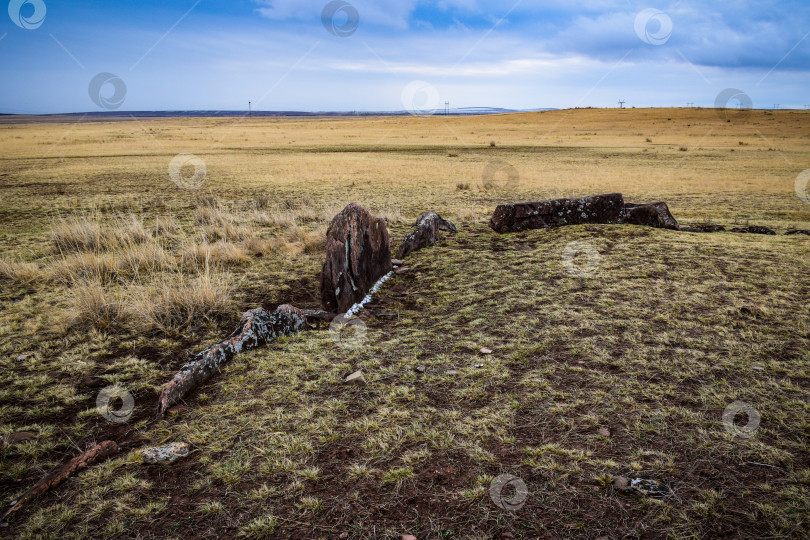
[621, 103]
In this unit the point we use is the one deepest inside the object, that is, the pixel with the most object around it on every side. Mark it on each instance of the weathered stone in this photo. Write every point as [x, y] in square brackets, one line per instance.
[651, 215]
[257, 328]
[754, 229]
[420, 369]
[397, 262]
[486, 351]
[649, 487]
[166, 454]
[703, 228]
[516, 217]
[798, 231]
[426, 234]
[355, 378]
[55, 477]
[402, 270]
[358, 254]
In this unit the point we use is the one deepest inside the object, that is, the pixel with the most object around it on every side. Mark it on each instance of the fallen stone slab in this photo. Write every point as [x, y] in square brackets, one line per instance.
[516, 217]
[55, 477]
[703, 228]
[754, 229]
[426, 234]
[358, 254]
[166, 454]
[651, 215]
[799, 231]
[257, 328]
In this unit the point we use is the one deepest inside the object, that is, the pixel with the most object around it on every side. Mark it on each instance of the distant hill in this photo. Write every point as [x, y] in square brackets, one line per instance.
[464, 111]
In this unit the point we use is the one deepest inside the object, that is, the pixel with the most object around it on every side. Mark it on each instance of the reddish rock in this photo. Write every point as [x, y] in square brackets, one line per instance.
[358, 254]
[652, 215]
[426, 234]
[516, 217]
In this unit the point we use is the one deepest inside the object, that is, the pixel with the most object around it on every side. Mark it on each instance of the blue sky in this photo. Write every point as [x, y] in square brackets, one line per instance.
[402, 54]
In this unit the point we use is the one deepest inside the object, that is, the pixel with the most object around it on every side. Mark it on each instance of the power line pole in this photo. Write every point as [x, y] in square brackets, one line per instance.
[447, 108]
[250, 108]
[621, 103]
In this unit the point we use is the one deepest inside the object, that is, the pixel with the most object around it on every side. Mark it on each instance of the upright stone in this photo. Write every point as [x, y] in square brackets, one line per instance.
[358, 254]
[516, 217]
[426, 234]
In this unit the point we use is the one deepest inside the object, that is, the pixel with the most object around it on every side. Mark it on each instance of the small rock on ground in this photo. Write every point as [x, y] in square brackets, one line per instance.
[397, 262]
[355, 378]
[14, 438]
[486, 351]
[420, 369]
[604, 432]
[621, 483]
[166, 454]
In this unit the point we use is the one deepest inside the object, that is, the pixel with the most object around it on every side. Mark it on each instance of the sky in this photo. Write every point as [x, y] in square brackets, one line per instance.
[392, 55]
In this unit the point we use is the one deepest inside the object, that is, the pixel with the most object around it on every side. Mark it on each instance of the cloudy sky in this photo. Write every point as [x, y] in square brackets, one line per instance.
[383, 55]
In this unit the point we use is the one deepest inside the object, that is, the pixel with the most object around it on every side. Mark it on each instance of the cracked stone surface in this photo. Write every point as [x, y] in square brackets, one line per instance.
[426, 234]
[166, 454]
[516, 217]
[358, 254]
[257, 328]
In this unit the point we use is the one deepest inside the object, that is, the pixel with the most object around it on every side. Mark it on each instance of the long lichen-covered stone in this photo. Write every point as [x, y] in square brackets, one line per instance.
[94, 455]
[652, 215]
[257, 328]
[426, 234]
[358, 254]
[516, 217]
